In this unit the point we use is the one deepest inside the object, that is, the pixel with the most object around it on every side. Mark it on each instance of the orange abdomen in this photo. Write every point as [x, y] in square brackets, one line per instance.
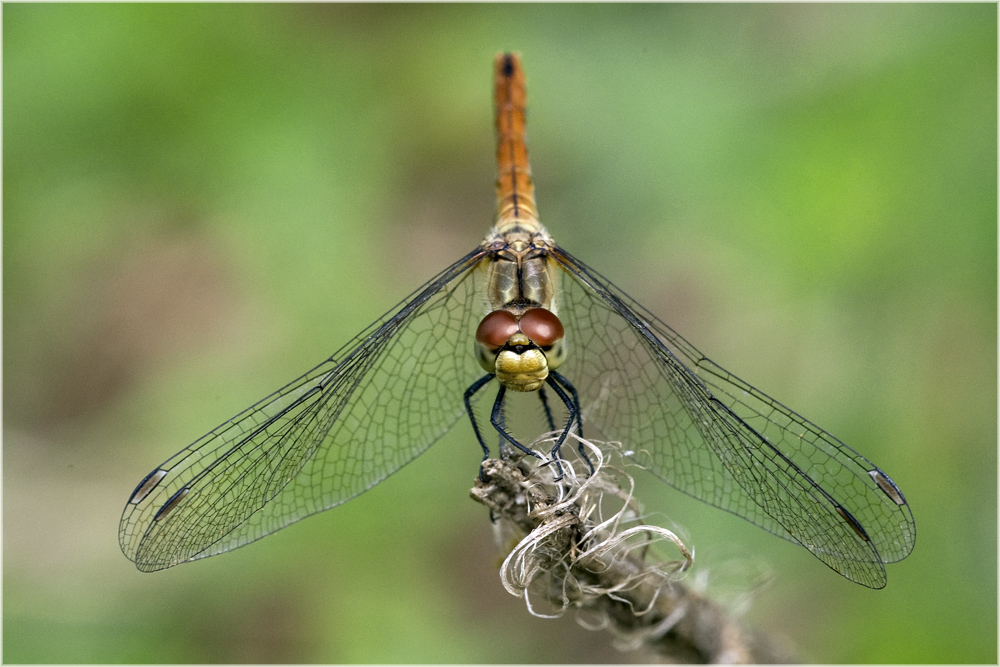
[515, 189]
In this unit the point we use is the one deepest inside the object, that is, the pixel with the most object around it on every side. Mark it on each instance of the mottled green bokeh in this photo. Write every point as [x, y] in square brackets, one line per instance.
[203, 201]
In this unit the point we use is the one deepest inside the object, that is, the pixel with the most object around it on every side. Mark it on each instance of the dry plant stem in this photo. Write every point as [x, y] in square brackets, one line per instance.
[634, 599]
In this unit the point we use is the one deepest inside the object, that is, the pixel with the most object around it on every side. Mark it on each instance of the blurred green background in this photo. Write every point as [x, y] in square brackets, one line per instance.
[203, 201]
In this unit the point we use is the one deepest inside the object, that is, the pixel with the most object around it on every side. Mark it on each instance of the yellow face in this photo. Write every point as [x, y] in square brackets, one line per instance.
[520, 350]
[521, 371]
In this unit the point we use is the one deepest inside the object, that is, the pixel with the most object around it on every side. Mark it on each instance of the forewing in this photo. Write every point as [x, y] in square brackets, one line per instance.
[713, 436]
[333, 433]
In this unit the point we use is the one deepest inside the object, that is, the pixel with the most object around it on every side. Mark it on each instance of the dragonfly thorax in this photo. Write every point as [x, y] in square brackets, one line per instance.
[520, 349]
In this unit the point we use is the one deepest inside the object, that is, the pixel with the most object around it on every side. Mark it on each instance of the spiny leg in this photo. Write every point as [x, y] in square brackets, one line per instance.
[503, 447]
[469, 393]
[558, 383]
[557, 380]
[545, 406]
[568, 386]
[574, 413]
[496, 418]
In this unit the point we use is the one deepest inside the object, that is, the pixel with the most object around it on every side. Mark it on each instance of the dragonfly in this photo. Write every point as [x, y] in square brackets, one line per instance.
[521, 314]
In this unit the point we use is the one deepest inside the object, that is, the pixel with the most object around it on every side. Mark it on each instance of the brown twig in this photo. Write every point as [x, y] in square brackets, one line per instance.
[572, 556]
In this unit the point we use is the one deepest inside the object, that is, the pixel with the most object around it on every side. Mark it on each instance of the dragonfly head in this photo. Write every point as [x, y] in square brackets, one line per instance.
[522, 350]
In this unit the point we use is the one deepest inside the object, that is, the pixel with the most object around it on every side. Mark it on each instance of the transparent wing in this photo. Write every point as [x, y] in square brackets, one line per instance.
[717, 438]
[333, 433]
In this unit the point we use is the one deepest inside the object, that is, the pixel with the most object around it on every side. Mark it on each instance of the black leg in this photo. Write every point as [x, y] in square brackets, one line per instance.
[560, 385]
[469, 393]
[568, 386]
[557, 380]
[573, 413]
[496, 418]
[503, 447]
[545, 406]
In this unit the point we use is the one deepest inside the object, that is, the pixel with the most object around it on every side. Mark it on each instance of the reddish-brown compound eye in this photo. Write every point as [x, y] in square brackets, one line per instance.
[496, 329]
[542, 327]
